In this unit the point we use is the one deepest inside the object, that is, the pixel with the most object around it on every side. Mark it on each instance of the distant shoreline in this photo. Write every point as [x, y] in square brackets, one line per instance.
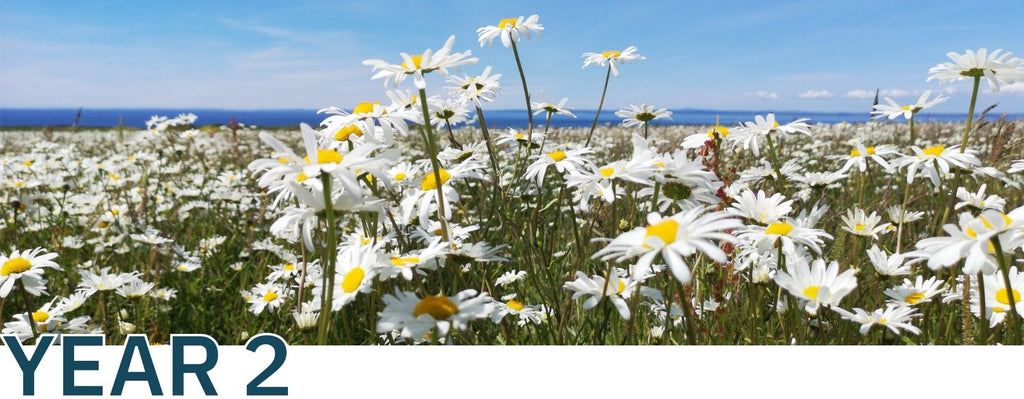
[133, 118]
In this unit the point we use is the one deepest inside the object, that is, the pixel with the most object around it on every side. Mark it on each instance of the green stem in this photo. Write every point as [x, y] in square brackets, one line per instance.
[432, 154]
[1012, 318]
[329, 261]
[526, 91]
[913, 137]
[970, 114]
[599, 105]
[777, 181]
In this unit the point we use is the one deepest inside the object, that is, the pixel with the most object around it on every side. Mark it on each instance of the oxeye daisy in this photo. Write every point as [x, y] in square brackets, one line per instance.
[698, 140]
[786, 233]
[893, 110]
[994, 67]
[510, 29]
[355, 270]
[760, 208]
[979, 200]
[896, 214]
[639, 116]
[510, 277]
[816, 284]
[935, 159]
[857, 222]
[887, 265]
[997, 299]
[612, 57]
[750, 134]
[858, 157]
[911, 293]
[527, 314]
[366, 120]
[970, 239]
[264, 296]
[564, 161]
[552, 109]
[26, 266]
[894, 317]
[415, 317]
[617, 289]
[417, 65]
[476, 89]
[674, 237]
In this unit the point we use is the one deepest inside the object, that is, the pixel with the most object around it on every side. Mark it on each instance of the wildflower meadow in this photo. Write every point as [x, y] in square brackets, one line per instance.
[414, 222]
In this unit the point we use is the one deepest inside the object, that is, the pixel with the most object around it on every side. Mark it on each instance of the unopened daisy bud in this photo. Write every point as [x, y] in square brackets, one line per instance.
[244, 336]
[123, 313]
[623, 224]
[125, 328]
[306, 320]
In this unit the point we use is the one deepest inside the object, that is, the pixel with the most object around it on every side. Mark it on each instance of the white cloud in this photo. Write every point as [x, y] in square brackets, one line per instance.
[1014, 88]
[762, 94]
[815, 94]
[860, 93]
[896, 93]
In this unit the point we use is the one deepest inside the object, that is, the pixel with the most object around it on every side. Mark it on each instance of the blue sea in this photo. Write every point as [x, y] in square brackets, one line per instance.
[136, 117]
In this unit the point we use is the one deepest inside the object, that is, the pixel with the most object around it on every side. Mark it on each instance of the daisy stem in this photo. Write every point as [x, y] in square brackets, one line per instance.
[903, 213]
[599, 105]
[526, 92]
[965, 311]
[496, 172]
[645, 130]
[691, 332]
[28, 306]
[1013, 318]
[970, 114]
[432, 154]
[913, 137]
[327, 301]
[777, 181]
[983, 322]
[451, 135]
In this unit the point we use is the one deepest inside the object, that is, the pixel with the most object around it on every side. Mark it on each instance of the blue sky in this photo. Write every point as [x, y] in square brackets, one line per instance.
[729, 55]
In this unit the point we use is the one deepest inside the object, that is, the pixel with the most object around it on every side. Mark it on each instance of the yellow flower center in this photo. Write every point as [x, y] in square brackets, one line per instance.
[301, 177]
[970, 232]
[611, 54]
[859, 227]
[416, 59]
[607, 171]
[102, 225]
[779, 228]
[1004, 299]
[326, 156]
[27, 163]
[345, 132]
[811, 292]
[353, 279]
[367, 107]
[269, 296]
[429, 181]
[905, 108]
[914, 298]
[40, 316]
[404, 261]
[557, 155]
[622, 287]
[721, 130]
[514, 305]
[440, 307]
[520, 136]
[856, 153]
[666, 230]
[506, 22]
[934, 150]
[15, 265]
[289, 267]
[114, 212]
[775, 125]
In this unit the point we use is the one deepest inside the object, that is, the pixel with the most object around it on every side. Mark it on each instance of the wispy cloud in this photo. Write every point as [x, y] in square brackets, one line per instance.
[1016, 88]
[762, 94]
[815, 94]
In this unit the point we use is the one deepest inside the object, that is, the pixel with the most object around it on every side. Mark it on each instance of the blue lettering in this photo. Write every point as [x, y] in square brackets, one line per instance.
[201, 370]
[69, 343]
[28, 366]
[148, 372]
